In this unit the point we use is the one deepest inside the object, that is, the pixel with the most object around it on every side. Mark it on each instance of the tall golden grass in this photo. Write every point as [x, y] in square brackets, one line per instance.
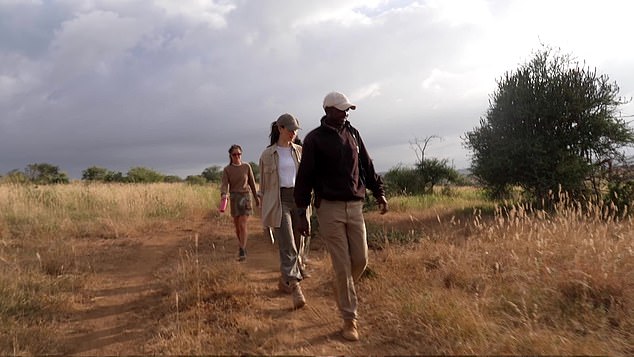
[105, 210]
[43, 227]
[521, 282]
[453, 275]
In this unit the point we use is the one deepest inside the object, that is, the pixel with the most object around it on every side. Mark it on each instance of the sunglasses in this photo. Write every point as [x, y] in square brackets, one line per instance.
[236, 154]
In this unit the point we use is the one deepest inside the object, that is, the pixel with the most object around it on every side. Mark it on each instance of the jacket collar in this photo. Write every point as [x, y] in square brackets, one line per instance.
[346, 124]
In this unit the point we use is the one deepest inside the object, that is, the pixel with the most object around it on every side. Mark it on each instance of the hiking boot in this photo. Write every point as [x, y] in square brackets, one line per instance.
[350, 330]
[242, 255]
[283, 287]
[298, 297]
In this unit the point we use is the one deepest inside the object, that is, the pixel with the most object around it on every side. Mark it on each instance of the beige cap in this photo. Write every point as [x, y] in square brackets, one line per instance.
[288, 121]
[339, 101]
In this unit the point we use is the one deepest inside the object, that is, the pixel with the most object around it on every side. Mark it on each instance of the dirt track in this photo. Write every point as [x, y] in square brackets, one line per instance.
[114, 314]
[117, 312]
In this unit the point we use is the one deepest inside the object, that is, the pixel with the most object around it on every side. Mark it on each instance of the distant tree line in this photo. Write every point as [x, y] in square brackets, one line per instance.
[46, 174]
[553, 126]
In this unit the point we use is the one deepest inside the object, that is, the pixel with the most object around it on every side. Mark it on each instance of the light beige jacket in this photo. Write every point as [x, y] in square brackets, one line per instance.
[270, 184]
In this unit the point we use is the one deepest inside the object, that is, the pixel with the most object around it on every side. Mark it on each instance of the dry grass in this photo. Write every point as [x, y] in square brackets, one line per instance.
[444, 277]
[443, 281]
[89, 210]
[207, 302]
[521, 282]
[42, 228]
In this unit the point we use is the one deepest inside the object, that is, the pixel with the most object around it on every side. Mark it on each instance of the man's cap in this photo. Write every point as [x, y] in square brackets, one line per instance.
[339, 101]
[288, 121]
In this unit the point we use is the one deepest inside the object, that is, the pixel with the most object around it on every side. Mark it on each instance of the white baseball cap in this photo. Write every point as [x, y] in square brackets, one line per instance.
[339, 101]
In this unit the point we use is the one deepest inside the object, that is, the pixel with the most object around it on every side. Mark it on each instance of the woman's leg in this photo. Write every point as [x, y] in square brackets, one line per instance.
[242, 235]
[236, 224]
[289, 258]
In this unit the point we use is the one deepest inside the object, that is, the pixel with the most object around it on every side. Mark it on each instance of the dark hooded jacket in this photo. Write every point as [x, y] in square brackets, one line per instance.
[336, 165]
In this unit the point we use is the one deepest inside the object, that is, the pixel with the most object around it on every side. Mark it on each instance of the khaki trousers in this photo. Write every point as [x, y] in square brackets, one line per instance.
[288, 238]
[342, 228]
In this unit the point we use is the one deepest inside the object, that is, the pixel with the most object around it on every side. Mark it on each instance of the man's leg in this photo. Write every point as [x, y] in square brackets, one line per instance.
[357, 239]
[332, 229]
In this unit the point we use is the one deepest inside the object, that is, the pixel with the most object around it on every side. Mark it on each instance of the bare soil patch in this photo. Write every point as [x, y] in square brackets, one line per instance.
[115, 313]
[123, 306]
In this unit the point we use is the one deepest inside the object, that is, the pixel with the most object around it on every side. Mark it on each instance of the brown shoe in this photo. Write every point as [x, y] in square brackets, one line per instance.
[350, 330]
[298, 297]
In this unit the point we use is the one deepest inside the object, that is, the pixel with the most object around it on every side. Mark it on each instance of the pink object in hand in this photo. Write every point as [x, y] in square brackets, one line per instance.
[223, 204]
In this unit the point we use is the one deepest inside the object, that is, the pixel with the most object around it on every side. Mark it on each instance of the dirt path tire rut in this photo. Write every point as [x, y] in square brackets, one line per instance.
[121, 307]
[116, 313]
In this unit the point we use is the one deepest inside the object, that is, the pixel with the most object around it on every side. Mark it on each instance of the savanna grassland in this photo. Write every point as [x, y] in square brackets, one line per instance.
[109, 269]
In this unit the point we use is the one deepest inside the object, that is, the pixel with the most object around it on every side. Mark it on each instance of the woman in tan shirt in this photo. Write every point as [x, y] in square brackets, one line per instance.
[237, 180]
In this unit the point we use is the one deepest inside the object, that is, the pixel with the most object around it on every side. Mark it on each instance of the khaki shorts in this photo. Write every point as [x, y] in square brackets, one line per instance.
[240, 204]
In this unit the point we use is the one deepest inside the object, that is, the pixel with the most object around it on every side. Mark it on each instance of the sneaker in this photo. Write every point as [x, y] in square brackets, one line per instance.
[298, 297]
[350, 330]
[242, 254]
[283, 287]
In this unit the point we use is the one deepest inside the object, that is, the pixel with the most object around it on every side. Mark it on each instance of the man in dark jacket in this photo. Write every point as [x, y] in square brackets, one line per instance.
[337, 167]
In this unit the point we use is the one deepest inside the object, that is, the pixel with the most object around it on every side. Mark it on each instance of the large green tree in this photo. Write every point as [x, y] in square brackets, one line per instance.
[551, 123]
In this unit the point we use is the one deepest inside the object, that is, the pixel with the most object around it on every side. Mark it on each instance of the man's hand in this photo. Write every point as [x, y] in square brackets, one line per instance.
[302, 223]
[382, 202]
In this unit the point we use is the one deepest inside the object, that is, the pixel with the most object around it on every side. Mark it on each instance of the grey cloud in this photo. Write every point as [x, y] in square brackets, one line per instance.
[140, 83]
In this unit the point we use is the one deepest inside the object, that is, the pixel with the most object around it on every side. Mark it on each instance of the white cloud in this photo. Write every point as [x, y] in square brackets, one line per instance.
[93, 39]
[208, 12]
[18, 75]
[438, 80]
[20, 2]
[369, 91]
[460, 12]
[344, 13]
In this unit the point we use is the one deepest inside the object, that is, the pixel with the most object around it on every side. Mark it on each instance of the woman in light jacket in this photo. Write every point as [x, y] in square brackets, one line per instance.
[278, 167]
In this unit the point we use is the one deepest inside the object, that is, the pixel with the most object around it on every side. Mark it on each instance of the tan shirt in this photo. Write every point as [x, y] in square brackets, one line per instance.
[238, 179]
[270, 184]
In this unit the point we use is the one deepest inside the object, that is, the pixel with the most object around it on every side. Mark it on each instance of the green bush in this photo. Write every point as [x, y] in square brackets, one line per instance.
[144, 175]
[621, 194]
[196, 180]
[172, 179]
[402, 180]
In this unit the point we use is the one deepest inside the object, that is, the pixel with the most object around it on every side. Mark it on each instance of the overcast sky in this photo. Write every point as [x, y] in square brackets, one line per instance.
[171, 84]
